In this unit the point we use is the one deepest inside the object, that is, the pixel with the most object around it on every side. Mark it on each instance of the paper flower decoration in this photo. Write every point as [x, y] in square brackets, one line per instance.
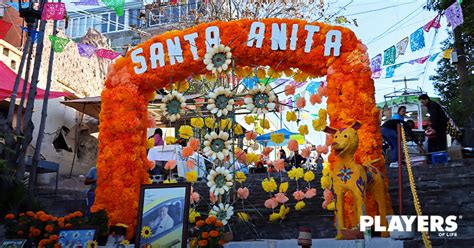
[170, 165]
[209, 121]
[320, 123]
[197, 122]
[238, 130]
[243, 193]
[290, 90]
[269, 184]
[299, 205]
[243, 216]
[310, 193]
[218, 59]
[250, 135]
[249, 119]
[222, 212]
[240, 177]
[315, 98]
[186, 132]
[174, 105]
[296, 173]
[301, 102]
[220, 101]
[191, 176]
[308, 176]
[277, 138]
[271, 203]
[305, 153]
[265, 124]
[261, 100]
[281, 198]
[291, 116]
[219, 181]
[217, 145]
[194, 144]
[303, 129]
[298, 195]
[170, 140]
[293, 145]
[279, 165]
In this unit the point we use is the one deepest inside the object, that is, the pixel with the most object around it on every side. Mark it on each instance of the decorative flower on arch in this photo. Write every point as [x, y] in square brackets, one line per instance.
[219, 181]
[261, 100]
[217, 145]
[174, 105]
[220, 101]
[218, 59]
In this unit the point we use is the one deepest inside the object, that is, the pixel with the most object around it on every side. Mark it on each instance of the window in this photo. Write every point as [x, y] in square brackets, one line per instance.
[75, 27]
[82, 26]
[13, 64]
[6, 51]
[105, 20]
[112, 22]
[121, 21]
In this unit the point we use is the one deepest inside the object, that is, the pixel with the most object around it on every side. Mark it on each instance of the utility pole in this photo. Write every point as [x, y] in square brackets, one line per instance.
[44, 114]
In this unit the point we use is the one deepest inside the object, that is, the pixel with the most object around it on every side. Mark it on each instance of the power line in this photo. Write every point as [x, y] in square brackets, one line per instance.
[394, 25]
[373, 10]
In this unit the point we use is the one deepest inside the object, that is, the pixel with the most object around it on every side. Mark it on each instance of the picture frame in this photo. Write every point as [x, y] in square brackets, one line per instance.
[117, 234]
[72, 237]
[163, 215]
[13, 243]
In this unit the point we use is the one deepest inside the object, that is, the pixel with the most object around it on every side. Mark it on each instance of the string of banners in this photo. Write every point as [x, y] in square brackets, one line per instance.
[415, 40]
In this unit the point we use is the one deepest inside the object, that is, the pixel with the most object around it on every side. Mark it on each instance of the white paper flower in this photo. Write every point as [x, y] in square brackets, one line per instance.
[219, 181]
[222, 212]
[174, 105]
[220, 101]
[261, 100]
[218, 58]
[217, 145]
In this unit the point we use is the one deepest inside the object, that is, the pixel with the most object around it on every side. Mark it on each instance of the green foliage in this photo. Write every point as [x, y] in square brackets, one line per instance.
[100, 220]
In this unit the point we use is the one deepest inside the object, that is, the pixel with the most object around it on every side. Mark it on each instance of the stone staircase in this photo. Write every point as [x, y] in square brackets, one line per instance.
[442, 189]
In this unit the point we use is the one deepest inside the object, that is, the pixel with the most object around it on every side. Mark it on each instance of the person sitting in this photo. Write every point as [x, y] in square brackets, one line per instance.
[401, 112]
[163, 222]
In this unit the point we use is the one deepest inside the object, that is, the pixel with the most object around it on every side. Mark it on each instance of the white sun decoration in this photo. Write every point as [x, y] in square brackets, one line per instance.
[174, 105]
[219, 181]
[218, 58]
[220, 101]
[261, 100]
[222, 212]
[217, 145]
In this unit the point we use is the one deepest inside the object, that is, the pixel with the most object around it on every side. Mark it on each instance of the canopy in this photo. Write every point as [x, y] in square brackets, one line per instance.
[265, 139]
[87, 105]
[7, 81]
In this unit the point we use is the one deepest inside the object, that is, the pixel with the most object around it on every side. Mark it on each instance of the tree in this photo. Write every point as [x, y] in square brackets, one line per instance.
[455, 82]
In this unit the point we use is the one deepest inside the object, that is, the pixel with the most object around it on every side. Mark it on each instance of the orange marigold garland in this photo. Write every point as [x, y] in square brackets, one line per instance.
[122, 162]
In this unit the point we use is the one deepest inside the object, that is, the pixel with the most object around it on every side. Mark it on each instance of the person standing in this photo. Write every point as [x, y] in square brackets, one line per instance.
[401, 112]
[91, 180]
[439, 123]
[158, 137]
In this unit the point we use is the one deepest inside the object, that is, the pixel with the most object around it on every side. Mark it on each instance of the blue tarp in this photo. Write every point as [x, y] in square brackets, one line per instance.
[265, 138]
[17, 6]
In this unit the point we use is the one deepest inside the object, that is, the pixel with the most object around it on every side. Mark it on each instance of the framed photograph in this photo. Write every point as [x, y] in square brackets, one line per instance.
[116, 236]
[163, 215]
[78, 237]
[13, 243]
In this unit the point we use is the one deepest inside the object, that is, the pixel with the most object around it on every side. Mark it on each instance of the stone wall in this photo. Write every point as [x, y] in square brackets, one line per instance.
[442, 190]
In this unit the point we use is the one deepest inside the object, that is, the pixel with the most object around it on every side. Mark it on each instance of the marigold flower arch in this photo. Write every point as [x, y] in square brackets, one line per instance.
[122, 163]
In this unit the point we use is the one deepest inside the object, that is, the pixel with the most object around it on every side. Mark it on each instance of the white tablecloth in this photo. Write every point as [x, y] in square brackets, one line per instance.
[173, 152]
[292, 243]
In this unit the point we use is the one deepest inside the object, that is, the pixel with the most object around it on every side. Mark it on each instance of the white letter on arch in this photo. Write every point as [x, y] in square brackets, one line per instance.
[336, 44]
[253, 35]
[191, 38]
[157, 53]
[138, 58]
[279, 36]
[212, 37]
[175, 52]
[294, 37]
[309, 39]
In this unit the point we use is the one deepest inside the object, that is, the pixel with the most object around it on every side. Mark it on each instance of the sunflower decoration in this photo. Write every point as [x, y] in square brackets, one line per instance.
[218, 59]
[125, 242]
[92, 244]
[219, 181]
[146, 232]
[261, 100]
[174, 105]
[220, 101]
[217, 145]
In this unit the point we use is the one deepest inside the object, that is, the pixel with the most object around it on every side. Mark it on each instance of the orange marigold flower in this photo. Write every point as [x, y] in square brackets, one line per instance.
[219, 223]
[57, 246]
[39, 213]
[68, 225]
[187, 151]
[202, 243]
[214, 234]
[61, 224]
[200, 223]
[61, 219]
[10, 216]
[30, 213]
[205, 235]
[49, 228]
[221, 242]
[212, 219]
[44, 217]
[22, 214]
[20, 233]
[53, 237]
